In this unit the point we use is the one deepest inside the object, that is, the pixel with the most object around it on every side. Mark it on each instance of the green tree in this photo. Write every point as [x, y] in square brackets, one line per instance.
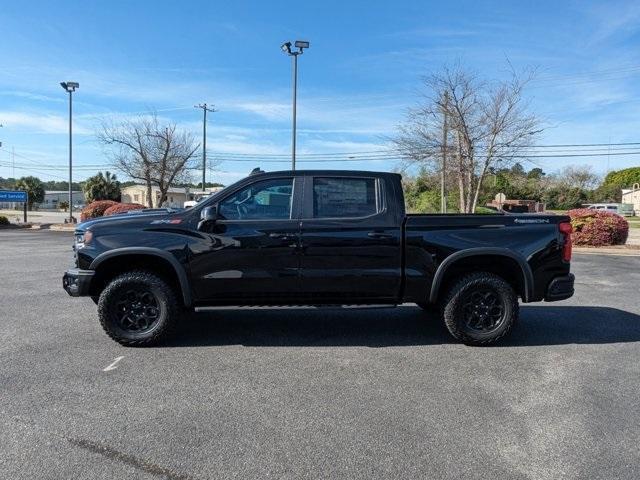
[34, 188]
[623, 178]
[564, 198]
[606, 194]
[103, 186]
[63, 205]
[536, 173]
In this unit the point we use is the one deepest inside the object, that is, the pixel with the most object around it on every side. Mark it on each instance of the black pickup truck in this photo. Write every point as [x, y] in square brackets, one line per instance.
[317, 238]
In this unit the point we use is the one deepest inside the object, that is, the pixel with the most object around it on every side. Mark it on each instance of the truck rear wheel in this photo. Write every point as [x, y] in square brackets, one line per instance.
[138, 309]
[480, 308]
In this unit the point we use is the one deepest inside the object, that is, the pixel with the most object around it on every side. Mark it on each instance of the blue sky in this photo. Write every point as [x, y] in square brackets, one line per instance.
[355, 83]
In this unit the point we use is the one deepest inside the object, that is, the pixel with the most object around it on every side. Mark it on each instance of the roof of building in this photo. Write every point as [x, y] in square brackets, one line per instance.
[58, 192]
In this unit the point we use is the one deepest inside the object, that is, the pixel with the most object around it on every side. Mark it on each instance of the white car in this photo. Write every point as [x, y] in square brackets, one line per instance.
[198, 197]
[624, 209]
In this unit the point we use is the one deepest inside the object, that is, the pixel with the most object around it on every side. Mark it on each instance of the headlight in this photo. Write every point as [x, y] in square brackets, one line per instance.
[84, 238]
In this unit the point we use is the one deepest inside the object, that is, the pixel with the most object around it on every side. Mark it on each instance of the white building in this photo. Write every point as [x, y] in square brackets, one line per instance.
[176, 196]
[52, 199]
[632, 195]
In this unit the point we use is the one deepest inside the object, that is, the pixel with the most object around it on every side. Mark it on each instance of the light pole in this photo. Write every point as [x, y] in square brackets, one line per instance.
[286, 48]
[70, 87]
[205, 108]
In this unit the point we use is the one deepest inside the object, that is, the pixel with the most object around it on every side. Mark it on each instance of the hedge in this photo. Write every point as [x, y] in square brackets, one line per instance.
[122, 208]
[96, 209]
[598, 228]
[4, 221]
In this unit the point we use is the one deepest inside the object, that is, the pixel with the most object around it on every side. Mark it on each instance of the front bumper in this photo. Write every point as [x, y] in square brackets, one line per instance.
[77, 282]
[560, 288]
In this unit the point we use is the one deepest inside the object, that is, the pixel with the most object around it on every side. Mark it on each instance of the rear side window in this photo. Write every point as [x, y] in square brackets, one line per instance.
[345, 197]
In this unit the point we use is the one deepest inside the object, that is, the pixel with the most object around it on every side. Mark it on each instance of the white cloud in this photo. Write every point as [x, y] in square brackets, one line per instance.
[268, 110]
[615, 19]
[31, 96]
[23, 122]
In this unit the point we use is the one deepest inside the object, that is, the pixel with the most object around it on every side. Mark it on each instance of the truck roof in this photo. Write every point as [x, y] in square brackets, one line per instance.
[349, 173]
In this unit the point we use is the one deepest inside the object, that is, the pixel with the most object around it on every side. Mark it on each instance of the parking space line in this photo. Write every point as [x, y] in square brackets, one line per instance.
[113, 365]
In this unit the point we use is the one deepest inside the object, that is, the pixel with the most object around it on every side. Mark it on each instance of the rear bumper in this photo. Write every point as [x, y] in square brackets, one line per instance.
[560, 288]
[77, 282]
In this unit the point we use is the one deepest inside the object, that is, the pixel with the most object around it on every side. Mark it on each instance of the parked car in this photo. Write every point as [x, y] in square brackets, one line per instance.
[624, 209]
[317, 238]
[198, 197]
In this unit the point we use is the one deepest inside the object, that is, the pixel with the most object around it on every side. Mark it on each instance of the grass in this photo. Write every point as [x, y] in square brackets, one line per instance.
[634, 222]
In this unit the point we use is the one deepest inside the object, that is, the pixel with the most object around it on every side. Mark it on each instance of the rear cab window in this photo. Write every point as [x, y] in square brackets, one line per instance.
[348, 197]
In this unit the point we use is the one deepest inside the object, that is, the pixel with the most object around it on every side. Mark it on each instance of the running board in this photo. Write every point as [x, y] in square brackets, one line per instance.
[251, 307]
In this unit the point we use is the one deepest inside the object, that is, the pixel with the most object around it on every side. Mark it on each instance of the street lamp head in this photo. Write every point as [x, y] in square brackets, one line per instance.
[286, 47]
[301, 44]
[70, 86]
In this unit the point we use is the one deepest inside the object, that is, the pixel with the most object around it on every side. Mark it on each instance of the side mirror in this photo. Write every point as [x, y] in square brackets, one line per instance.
[208, 216]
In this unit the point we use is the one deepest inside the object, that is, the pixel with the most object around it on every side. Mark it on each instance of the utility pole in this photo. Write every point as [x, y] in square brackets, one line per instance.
[205, 108]
[445, 133]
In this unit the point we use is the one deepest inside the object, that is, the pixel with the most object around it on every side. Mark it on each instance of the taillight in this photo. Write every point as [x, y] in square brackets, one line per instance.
[565, 230]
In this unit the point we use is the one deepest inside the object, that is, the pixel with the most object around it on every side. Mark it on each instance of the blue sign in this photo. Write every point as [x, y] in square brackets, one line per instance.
[13, 196]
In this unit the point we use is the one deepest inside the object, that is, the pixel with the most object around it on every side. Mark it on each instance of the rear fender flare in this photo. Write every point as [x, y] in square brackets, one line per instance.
[527, 274]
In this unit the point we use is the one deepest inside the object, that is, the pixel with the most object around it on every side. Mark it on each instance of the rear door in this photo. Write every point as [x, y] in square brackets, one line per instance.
[351, 240]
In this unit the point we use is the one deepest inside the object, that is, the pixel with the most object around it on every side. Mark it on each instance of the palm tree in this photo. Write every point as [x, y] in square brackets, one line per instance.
[103, 186]
[34, 188]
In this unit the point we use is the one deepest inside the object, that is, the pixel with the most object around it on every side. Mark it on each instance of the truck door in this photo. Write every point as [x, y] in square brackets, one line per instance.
[252, 252]
[351, 240]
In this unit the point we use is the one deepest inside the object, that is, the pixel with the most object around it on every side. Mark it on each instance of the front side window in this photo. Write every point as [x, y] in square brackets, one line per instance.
[268, 199]
[344, 197]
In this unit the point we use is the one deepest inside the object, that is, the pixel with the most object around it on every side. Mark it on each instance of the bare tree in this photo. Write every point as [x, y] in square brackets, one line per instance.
[487, 126]
[154, 153]
[578, 176]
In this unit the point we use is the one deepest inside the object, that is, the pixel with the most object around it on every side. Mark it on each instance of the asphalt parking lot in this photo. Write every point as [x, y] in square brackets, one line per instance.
[304, 393]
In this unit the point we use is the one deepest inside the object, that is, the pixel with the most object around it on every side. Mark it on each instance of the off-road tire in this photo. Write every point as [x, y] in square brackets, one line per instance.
[167, 307]
[454, 315]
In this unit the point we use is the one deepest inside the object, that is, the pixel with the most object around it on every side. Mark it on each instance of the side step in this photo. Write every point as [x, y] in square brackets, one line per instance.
[302, 307]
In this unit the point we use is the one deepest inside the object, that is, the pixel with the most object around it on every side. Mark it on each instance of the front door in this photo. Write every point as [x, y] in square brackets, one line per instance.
[351, 241]
[253, 255]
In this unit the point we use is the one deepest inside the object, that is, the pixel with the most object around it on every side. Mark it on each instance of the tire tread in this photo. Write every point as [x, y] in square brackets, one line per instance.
[449, 306]
[140, 276]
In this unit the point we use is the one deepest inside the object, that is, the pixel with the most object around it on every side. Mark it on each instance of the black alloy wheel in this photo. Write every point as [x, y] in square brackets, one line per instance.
[480, 308]
[137, 310]
[483, 310]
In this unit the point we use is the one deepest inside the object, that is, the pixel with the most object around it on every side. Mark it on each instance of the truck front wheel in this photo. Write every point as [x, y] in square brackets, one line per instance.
[480, 308]
[138, 309]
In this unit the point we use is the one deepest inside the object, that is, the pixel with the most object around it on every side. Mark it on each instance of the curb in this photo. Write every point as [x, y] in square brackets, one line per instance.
[623, 252]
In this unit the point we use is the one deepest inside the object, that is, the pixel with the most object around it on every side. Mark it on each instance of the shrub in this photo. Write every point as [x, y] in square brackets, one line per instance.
[95, 209]
[597, 228]
[4, 221]
[122, 208]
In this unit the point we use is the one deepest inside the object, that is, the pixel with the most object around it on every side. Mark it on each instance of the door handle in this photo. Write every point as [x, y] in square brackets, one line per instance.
[379, 235]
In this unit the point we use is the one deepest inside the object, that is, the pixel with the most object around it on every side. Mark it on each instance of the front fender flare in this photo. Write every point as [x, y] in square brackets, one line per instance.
[179, 269]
